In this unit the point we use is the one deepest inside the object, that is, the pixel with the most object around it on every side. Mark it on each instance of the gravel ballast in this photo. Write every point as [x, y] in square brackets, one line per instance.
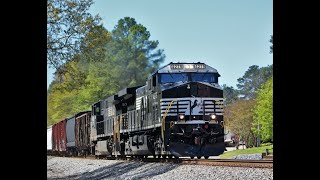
[78, 168]
[249, 156]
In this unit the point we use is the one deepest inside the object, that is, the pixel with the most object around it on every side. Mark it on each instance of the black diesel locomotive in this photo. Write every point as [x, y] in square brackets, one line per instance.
[179, 112]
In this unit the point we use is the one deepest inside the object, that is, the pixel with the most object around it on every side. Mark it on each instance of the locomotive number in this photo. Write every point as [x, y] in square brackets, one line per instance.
[176, 66]
[199, 66]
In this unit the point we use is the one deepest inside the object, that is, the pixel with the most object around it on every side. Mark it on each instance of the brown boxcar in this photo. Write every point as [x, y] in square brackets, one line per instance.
[82, 132]
[59, 139]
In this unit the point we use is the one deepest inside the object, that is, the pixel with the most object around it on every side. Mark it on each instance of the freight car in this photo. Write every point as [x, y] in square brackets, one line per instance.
[59, 139]
[49, 139]
[178, 112]
[77, 130]
[71, 136]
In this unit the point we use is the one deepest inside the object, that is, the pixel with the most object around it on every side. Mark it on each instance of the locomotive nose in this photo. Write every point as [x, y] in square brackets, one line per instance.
[192, 89]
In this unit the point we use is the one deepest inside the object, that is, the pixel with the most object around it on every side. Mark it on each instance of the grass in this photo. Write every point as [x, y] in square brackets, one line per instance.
[255, 150]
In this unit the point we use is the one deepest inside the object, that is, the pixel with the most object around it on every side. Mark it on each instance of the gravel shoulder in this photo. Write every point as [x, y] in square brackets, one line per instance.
[78, 168]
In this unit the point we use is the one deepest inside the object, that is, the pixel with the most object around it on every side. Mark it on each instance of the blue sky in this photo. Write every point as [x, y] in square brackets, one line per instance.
[228, 35]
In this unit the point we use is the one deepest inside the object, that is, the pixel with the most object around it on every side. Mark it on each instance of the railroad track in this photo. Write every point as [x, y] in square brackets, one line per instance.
[207, 162]
[231, 162]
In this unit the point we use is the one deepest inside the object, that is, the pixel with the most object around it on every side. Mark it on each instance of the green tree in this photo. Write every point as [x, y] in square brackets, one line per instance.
[93, 47]
[68, 22]
[104, 66]
[60, 104]
[230, 94]
[99, 83]
[132, 54]
[238, 119]
[252, 80]
[93, 50]
[263, 112]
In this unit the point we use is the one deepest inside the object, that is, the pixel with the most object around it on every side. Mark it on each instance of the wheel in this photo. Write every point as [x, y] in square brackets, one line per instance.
[192, 157]
[206, 157]
[199, 157]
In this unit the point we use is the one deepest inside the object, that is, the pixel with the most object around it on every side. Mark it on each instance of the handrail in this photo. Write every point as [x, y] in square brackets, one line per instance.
[163, 119]
[165, 114]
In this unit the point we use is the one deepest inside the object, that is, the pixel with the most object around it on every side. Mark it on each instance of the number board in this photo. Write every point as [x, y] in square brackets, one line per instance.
[176, 66]
[188, 66]
[199, 66]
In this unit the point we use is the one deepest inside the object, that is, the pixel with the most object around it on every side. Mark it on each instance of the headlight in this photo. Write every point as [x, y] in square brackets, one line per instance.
[213, 116]
[181, 116]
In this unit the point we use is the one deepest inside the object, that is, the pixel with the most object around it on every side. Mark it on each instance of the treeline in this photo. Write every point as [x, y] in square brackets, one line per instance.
[249, 108]
[110, 61]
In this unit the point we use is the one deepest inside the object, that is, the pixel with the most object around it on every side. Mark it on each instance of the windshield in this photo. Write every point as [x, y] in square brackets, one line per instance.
[184, 77]
[173, 77]
[204, 77]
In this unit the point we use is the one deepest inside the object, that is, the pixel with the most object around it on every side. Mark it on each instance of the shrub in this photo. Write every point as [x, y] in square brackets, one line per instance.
[266, 144]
